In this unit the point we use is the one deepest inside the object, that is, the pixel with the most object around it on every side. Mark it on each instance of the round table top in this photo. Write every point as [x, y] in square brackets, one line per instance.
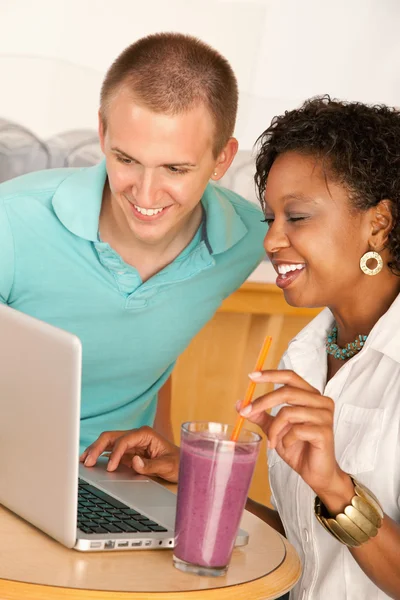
[34, 566]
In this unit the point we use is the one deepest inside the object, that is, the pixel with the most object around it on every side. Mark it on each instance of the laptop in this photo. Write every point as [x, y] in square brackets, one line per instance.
[42, 481]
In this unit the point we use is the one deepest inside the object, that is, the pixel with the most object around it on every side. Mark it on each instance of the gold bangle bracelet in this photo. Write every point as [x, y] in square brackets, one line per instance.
[360, 520]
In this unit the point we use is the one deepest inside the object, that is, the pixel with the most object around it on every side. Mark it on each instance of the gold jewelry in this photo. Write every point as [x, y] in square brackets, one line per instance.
[368, 256]
[360, 520]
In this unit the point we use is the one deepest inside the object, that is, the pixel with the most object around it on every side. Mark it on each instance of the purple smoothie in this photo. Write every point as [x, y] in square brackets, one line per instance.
[214, 480]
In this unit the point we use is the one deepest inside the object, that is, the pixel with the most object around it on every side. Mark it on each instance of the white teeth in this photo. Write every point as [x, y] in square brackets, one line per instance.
[148, 211]
[283, 269]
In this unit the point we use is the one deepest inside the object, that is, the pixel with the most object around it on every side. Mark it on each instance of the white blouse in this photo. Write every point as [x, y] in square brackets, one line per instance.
[366, 391]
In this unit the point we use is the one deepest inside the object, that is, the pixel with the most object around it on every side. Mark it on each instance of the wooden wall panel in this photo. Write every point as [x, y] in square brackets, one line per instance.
[211, 375]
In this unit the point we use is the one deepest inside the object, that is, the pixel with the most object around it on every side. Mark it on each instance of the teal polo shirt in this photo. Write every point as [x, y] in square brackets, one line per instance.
[54, 267]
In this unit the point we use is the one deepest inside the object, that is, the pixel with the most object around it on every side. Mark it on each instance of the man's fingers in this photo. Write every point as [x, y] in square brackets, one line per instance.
[104, 442]
[124, 443]
[83, 455]
[165, 467]
[138, 439]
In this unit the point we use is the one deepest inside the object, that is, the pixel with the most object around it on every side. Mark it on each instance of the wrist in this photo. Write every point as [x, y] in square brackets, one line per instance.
[339, 493]
[358, 522]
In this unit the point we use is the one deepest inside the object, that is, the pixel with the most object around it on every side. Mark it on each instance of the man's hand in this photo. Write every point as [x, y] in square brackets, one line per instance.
[144, 450]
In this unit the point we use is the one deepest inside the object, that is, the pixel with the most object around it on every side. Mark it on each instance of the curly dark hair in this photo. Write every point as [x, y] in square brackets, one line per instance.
[358, 144]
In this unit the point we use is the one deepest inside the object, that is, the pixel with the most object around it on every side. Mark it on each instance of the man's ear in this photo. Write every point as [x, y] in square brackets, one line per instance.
[101, 130]
[225, 159]
[381, 224]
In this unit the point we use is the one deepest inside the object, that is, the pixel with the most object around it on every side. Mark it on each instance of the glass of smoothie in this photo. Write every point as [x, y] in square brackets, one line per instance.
[214, 479]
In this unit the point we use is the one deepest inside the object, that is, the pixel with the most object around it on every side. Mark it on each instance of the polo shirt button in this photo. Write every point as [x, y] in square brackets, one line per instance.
[306, 536]
[121, 272]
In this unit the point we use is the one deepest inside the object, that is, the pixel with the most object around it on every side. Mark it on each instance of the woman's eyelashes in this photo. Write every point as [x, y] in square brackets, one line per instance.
[291, 218]
[267, 220]
[295, 218]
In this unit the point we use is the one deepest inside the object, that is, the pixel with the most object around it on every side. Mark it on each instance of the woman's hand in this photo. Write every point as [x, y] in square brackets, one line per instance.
[143, 449]
[302, 435]
[301, 432]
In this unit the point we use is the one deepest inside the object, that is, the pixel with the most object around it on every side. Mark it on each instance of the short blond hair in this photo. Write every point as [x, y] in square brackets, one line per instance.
[171, 73]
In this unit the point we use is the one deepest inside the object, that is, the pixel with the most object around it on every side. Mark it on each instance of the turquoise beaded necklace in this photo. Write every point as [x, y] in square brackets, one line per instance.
[350, 349]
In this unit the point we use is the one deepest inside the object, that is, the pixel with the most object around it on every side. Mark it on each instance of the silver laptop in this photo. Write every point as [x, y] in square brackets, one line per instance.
[40, 473]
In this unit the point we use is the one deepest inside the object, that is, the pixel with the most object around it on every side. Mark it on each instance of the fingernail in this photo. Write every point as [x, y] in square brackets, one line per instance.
[88, 461]
[238, 404]
[246, 410]
[139, 462]
[255, 375]
[110, 465]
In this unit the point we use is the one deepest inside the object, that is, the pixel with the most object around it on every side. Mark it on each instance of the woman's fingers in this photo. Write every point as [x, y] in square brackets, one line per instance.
[290, 416]
[316, 435]
[287, 395]
[284, 377]
[262, 419]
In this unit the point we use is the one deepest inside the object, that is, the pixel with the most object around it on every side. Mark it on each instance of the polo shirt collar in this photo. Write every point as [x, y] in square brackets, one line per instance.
[224, 227]
[77, 201]
[77, 204]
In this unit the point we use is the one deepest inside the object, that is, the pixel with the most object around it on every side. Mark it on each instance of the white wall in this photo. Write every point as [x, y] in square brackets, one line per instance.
[53, 53]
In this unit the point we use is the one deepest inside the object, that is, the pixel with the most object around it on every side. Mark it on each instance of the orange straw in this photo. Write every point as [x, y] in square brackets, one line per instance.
[251, 387]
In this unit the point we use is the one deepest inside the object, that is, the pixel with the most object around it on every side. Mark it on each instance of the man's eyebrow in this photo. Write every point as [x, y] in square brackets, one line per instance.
[176, 164]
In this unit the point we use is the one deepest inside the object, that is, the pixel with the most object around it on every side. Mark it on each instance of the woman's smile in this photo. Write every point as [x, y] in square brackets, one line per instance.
[287, 273]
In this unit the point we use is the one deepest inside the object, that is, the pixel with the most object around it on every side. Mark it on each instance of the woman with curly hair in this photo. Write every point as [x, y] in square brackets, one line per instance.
[328, 177]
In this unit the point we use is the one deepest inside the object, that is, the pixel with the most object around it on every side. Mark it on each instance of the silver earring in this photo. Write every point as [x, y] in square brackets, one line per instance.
[215, 173]
[368, 256]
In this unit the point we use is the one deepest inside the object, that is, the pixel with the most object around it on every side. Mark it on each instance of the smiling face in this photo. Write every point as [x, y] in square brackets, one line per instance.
[158, 166]
[315, 238]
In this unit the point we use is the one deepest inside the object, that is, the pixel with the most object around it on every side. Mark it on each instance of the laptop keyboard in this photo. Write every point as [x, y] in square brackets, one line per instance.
[99, 512]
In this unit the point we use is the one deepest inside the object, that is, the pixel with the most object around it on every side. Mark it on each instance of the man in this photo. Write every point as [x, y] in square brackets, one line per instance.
[136, 254]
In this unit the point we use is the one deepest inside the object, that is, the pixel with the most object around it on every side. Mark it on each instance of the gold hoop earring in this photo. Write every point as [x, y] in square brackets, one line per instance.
[368, 256]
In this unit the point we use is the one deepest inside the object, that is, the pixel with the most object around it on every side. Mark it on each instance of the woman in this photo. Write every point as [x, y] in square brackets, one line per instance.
[328, 176]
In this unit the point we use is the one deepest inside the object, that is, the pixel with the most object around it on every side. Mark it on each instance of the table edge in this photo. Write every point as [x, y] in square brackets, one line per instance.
[255, 589]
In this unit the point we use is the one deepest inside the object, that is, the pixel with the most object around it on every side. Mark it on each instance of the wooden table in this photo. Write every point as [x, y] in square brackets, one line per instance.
[35, 567]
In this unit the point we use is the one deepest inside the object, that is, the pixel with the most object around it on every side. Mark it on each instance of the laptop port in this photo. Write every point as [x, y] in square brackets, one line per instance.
[110, 545]
[148, 543]
[122, 544]
[135, 544]
[95, 544]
